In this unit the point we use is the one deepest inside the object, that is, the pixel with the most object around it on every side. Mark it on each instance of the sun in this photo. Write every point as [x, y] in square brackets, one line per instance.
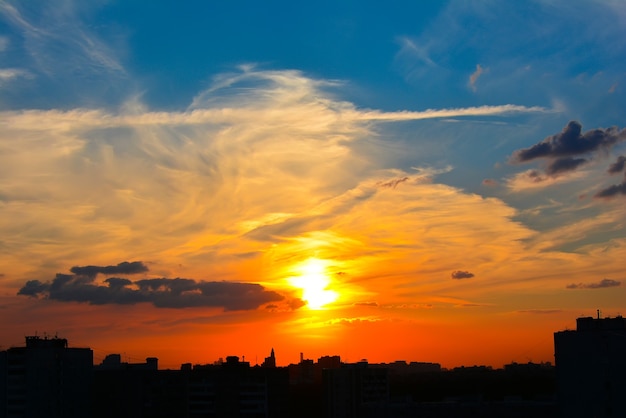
[313, 280]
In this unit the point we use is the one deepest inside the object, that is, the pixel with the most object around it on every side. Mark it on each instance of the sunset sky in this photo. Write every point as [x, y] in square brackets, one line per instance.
[435, 181]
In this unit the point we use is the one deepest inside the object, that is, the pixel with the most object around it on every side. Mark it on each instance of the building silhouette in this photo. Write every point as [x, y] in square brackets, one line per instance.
[353, 388]
[591, 368]
[270, 361]
[234, 389]
[138, 390]
[226, 389]
[46, 379]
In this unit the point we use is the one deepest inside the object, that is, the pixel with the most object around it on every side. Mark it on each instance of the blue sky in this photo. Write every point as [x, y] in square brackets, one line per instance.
[230, 141]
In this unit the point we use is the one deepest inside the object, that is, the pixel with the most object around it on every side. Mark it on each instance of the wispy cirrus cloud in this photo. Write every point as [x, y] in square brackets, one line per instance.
[59, 28]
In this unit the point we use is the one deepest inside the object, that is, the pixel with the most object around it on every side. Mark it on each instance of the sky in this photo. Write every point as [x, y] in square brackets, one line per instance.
[435, 181]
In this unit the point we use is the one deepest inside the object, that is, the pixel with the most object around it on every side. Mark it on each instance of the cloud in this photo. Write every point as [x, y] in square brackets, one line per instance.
[394, 183]
[59, 27]
[565, 153]
[617, 166]
[612, 191]
[125, 267]
[536, 179]
[446, 113]
[540, 311]
[599, 285]
[615, 189]
[474, 77]
[371, 304]
[565, 164]
[7, 74]
[570, 142]
[161, 292]
[489, 182]
[460, 274]
[33, 288]
[265, 163]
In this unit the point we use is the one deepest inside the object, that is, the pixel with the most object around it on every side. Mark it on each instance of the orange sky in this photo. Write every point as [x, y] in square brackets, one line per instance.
[420, 206]
[397, 264]
[282, 191]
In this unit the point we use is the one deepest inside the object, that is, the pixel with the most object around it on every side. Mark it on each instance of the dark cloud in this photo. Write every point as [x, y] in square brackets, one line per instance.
[161, 292]
[570, 142]
[490, 182]
[562, 165]
[564, 153]
[617, 166]
[33, 288]
[117, 283]
[124, 267]
[599, 285]
[459, 274]
[612, 191]
[616, 189]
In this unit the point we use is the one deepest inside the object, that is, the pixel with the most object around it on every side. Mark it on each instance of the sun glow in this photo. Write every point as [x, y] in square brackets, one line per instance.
[313, 280]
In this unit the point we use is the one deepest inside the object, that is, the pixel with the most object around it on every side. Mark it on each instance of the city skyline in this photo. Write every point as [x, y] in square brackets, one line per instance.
[439, 183]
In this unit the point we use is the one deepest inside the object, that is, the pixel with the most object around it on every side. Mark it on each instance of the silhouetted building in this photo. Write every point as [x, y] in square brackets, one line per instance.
[591, 368]
[137, 390]
[234, 389]
[303, 372]
[353, 388]
[270, 361]
[46, 379]
[329, 362]
[400, 367]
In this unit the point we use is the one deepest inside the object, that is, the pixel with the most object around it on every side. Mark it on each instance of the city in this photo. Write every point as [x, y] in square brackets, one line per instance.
[329, 209]
[49, 378]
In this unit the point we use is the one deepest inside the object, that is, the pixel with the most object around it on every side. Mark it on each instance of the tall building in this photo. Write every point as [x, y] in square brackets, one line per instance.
[47, 379]
[270, 361]
[591, 368]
